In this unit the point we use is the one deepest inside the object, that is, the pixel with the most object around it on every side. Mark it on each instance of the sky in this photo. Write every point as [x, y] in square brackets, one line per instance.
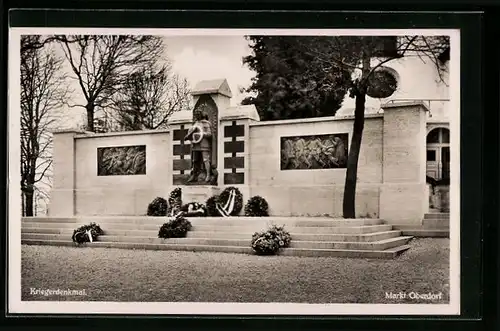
[199, 58]
[195, 58]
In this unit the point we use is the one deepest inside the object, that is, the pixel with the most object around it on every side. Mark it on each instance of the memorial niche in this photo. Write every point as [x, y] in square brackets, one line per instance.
[203, 137]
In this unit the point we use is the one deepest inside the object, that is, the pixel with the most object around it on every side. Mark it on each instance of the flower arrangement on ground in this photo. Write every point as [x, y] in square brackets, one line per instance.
[271, 241]
[158, 207]
[177, 227]
[87, 233]
[257, 206]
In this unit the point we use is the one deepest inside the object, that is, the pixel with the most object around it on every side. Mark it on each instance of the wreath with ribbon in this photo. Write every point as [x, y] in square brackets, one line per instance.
[228, 203]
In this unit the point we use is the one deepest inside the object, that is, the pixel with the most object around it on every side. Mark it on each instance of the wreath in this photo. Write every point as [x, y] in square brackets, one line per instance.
[177, 227]
[175, 201]
[211, 206]
[231, 201]
[257, 206]
[158, 207]
[87, 233]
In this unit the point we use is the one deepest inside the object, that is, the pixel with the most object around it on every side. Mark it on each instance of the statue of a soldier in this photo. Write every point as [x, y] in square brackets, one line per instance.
[200, 135]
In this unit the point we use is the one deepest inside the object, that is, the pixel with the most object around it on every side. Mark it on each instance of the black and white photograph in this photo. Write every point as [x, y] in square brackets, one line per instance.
[234, 171]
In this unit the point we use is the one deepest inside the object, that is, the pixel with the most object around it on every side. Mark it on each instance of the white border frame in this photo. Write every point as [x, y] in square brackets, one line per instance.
[15, 305]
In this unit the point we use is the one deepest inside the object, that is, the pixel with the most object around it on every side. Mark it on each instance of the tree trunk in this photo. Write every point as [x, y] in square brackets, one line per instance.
[23, 208]
[90, 117]
[349, 208]
[29, 202]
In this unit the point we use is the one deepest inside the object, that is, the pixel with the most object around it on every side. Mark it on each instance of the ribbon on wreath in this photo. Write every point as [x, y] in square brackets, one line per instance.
[228, 207]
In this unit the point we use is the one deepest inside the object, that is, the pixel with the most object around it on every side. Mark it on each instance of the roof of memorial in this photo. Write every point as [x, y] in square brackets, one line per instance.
[213, 86]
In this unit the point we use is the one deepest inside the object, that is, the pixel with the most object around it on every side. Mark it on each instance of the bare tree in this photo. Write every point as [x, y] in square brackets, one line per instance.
[101, 62]
[356, 54]
[43, 91]
[149, 96]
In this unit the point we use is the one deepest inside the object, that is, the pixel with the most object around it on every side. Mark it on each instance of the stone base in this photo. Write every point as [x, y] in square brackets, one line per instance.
[199, 193]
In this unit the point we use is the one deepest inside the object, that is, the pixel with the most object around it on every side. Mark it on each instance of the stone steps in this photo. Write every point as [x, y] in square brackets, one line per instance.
[214, 221]
[434, 225]
[426, 233]
[434, 216]
[376, 245]
[385, 254]
[311, 236]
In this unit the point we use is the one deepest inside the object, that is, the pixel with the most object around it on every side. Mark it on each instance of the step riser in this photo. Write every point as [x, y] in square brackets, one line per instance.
[129, 229]
[239, 250]
[340, 230]
[145, 246]
[348, 245]
[436, 216]
[436, 224]
[343, 237]
[344, 253]
[426, 233]
[149, 240]
[227, 242]
[47, 231]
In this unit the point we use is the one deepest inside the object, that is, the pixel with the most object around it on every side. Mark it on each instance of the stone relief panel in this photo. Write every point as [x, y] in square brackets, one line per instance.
[121, 161]
[327, 151]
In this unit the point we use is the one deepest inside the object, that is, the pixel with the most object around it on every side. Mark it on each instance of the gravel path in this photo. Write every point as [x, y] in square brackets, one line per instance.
[138, 275]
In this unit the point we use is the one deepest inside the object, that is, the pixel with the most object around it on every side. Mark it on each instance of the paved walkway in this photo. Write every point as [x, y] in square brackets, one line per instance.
[128, 275]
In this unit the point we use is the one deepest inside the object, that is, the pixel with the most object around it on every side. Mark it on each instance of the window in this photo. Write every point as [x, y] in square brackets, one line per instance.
[431, 155]
[446, 136]
[433, 137]
[439, 135]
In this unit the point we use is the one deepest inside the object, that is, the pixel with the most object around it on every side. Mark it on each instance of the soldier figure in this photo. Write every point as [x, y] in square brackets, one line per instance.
[200, 135]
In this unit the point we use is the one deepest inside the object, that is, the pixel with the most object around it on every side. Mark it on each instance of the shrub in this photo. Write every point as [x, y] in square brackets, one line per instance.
[175, 228]
[269, 242]
[175, 201]
[87, 233]
[257, 206]
[158, 207]
[232, 207]
[194, 209]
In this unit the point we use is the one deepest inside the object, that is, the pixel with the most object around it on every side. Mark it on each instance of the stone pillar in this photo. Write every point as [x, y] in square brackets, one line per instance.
[62, 197]
[403, 198]
[234, 150]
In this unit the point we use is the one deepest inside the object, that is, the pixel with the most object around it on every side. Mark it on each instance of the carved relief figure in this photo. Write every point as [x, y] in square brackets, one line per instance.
[200, 135]
[314, 152]
[126, 160]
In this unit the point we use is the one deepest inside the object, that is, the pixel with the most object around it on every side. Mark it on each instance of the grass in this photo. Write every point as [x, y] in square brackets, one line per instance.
[169, 276]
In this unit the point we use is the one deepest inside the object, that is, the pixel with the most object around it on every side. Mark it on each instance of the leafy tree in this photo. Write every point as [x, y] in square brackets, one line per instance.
[289, 83]
[43, 91]
[357, 54]
[100, 63]
[149, 96]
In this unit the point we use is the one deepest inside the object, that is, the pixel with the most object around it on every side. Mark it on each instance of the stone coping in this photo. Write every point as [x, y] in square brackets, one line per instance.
[403, 104]
[120, 133]
[315, 120]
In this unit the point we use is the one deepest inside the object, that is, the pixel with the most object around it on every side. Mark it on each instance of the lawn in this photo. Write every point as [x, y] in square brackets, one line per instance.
[168, 276]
